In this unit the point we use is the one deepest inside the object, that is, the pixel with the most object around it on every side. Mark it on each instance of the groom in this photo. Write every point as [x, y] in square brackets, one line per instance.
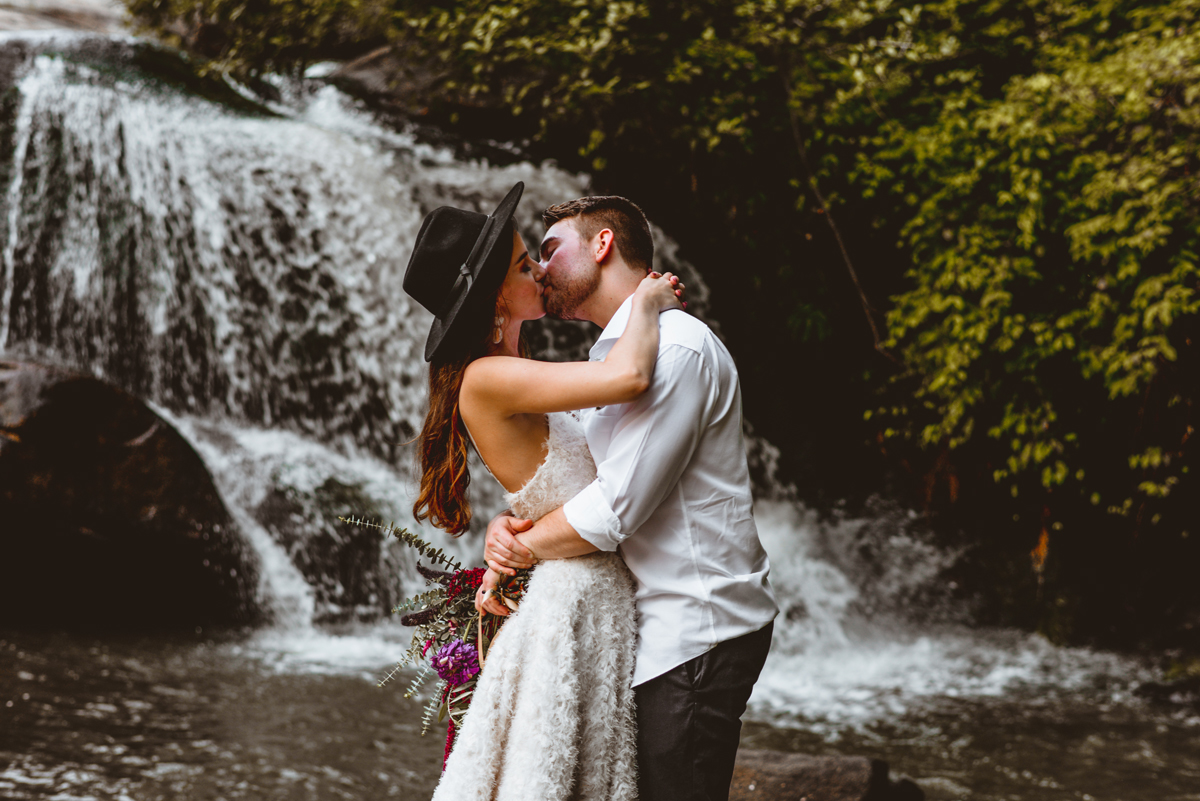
[673, 494]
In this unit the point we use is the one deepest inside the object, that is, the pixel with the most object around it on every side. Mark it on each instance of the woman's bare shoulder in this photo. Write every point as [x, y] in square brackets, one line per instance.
[484, 377]
[490, 367]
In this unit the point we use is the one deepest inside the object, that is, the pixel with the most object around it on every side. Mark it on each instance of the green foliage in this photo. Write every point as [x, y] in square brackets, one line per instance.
[1054, 248]
[248, 37]
[417, 682]
[435, 709]
[422, 600]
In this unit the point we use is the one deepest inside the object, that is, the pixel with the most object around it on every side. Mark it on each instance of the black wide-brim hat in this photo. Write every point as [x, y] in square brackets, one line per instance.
[459, 257]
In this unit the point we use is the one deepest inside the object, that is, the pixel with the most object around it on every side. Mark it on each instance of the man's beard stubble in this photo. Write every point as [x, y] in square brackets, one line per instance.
[565, 298]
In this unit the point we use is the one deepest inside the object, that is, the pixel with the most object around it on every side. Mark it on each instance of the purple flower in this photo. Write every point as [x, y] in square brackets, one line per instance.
[456, 662]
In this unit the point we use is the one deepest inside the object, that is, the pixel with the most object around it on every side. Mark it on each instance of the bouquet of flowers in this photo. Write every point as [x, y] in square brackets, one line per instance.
[451, 638]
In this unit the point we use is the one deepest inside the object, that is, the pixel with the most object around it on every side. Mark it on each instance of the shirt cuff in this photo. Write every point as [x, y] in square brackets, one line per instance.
[593, 519]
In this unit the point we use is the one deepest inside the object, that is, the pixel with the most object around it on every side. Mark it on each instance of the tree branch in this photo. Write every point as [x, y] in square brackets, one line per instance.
[811, 177]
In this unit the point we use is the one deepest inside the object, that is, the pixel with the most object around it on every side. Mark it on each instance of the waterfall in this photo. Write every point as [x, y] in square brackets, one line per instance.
[240, 268]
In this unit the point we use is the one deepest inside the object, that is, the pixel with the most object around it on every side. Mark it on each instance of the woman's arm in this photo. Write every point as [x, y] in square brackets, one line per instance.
[507, 385]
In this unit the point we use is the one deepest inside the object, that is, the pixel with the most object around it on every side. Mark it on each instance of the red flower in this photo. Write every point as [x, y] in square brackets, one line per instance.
[464, 581]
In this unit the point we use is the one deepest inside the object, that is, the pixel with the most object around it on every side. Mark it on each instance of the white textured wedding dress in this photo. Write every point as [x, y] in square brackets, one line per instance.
[552, 717]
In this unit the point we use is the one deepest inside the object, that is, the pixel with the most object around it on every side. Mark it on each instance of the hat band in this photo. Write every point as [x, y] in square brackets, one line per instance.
[465, 278]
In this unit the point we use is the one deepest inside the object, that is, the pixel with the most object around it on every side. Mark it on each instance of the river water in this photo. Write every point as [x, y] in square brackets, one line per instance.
[237, 264]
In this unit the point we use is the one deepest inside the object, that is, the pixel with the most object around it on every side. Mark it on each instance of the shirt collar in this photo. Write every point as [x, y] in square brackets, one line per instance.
[612, 331]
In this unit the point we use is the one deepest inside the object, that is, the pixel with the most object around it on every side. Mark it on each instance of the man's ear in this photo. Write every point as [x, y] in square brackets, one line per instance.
[603, 245]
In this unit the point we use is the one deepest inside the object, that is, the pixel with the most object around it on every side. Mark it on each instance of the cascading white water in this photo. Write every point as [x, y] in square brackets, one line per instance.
[871, 632]
[243, 272]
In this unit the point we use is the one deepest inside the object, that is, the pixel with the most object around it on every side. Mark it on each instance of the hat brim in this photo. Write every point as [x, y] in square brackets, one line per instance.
[488, 275]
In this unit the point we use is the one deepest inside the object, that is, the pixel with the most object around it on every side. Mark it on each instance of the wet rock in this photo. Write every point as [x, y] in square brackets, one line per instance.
[390, 77]
[351, 569]
[1181, 692]
[774, 776]
[108, 515]
[406, 92]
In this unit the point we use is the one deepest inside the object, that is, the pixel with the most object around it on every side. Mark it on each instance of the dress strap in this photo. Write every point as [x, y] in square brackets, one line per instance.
[475, 445]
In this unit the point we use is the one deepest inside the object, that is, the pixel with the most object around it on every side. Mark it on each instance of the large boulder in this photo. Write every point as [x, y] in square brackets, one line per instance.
[351, 570]
[774, 776]
[107, 515]
[390, 77]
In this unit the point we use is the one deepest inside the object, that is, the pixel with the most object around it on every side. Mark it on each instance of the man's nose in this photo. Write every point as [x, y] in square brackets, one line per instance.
[539, 270]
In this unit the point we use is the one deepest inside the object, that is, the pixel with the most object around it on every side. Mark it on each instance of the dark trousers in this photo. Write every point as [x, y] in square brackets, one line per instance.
[689, 721]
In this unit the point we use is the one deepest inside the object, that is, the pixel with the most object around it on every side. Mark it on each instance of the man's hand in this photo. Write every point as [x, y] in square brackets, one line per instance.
[485, 599]
[503, 552]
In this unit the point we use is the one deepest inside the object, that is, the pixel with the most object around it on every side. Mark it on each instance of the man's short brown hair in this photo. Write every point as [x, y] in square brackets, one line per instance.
[631, 229]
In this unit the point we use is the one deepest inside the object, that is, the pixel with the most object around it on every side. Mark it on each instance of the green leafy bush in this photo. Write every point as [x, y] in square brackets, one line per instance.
[249, 37]
[1054, 280]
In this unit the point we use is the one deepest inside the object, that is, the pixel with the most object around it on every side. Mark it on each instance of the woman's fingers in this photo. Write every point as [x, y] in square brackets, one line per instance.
[489, 604]
[656, 284]
[492, 606]
[677, 285]
[485, 598]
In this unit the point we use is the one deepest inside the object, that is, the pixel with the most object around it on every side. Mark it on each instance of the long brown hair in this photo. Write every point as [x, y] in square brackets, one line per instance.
[443, 499]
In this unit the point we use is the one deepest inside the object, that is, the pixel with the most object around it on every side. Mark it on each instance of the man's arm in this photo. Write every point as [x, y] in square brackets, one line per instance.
[651, 446]
[514, 543]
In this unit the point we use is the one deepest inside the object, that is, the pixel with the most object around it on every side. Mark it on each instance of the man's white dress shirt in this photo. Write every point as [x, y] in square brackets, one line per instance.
[672, 492]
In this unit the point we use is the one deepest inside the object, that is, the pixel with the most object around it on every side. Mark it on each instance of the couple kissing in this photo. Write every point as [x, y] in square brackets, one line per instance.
[647, 620]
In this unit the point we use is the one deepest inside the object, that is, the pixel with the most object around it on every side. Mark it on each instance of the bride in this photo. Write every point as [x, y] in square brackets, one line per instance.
[552, 716]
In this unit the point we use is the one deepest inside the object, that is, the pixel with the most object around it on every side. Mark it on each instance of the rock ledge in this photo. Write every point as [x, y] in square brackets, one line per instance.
[774, 776]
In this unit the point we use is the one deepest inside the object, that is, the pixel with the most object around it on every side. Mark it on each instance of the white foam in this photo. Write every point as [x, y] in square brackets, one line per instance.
[366, 652]
[833, 666]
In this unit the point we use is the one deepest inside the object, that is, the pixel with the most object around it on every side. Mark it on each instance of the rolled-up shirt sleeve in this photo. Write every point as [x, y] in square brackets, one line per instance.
[652, 442]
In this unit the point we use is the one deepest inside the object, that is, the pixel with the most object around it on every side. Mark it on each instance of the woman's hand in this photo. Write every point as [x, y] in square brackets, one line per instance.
[661, 290]
[485, 599]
